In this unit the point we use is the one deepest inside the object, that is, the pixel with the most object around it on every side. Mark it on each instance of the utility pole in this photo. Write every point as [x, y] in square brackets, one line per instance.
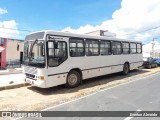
[153, 47]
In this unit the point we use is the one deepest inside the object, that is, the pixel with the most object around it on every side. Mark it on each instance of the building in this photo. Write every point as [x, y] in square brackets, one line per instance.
[102, 33]
[10, 50]
[14, 46]
[3, 44]
[151, 49]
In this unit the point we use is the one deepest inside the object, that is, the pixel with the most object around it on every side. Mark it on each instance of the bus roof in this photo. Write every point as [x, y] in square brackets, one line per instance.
[41, 35]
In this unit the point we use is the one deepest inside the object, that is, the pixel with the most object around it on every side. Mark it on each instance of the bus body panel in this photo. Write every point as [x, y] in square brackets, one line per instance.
[93, 67]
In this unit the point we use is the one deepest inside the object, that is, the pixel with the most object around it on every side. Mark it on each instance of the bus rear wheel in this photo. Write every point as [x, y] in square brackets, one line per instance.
[126, 69]
[73, 79]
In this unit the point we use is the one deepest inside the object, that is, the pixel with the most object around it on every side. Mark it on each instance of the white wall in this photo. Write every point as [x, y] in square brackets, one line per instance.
[11, 50]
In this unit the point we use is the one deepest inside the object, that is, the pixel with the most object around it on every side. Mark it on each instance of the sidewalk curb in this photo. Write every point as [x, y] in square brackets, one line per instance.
[13, 86]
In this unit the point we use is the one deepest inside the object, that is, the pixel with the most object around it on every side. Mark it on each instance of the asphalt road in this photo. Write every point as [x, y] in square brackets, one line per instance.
[139, 95]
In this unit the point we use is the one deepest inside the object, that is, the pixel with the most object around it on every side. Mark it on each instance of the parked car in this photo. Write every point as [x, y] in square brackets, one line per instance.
[149, 63]
[157, 60]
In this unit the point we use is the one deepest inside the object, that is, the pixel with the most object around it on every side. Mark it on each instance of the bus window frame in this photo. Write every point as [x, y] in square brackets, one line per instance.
[140, 48]
[47, 52]
[125, 48]
[76, 46]
[87, 39]
[110, 47]
[120, 49]
[132, 48]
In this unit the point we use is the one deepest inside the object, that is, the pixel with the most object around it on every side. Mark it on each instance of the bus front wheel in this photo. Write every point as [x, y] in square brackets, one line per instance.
[73, 79]
[125, 69]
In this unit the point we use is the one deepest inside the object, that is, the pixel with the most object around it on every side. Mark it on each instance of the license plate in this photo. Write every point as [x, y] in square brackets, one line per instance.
[29, 81]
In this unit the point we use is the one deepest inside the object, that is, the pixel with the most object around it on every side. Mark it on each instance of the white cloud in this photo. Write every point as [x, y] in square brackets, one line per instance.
[82, 29]
[7, 27]
[3, 11]
[130, 20]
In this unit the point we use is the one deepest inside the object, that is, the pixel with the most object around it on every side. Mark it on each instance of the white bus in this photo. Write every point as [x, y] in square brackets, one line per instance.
[53, 58]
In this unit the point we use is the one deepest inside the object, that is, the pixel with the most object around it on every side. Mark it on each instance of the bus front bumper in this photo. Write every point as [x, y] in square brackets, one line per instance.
[38, 83]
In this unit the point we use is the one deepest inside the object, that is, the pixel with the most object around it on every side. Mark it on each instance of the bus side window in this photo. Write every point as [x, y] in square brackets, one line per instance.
[92, 47]
[125, 47]
[133, 48]
[76, 46]
[105, 47]
[56, 54]
[116, 48]
[72, 53]
[139, 48]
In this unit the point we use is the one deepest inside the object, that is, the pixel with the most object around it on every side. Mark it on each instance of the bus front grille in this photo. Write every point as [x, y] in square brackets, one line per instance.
[30, 76]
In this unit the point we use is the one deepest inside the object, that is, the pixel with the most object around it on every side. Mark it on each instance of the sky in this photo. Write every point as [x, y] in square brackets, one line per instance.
[129, 19]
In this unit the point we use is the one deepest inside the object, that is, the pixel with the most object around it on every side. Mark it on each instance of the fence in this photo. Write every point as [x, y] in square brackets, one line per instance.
[13, 63]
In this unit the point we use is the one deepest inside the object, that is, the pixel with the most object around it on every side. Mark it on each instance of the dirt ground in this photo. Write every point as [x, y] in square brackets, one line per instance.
[34, 99]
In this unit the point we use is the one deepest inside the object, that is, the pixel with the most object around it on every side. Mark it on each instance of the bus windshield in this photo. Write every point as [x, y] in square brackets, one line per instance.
[34, 54]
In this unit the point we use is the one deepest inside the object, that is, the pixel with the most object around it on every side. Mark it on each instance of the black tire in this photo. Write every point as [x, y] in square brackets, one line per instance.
[126, 69]
[73, 79]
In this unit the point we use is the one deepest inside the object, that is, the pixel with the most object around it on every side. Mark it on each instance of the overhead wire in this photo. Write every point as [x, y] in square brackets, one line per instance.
[17, 29]
[141, 31]
[11, 33]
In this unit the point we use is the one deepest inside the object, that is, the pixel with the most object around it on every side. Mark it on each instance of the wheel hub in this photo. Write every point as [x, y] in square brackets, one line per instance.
[72, 79]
